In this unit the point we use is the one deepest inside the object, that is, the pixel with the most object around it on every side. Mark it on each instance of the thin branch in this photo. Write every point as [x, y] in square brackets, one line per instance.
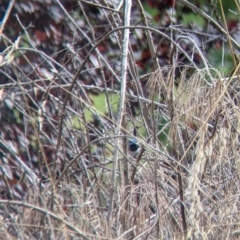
[47, 212]
[10, 5]
[122, 105]
[201, 13]
[100, 6]
[79, 155]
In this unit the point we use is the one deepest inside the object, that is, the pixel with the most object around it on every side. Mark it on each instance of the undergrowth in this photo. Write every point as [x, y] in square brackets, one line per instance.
[66, 172]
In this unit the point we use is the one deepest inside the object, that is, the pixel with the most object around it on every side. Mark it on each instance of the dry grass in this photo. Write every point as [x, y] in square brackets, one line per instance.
[201, 152]
[79, 182]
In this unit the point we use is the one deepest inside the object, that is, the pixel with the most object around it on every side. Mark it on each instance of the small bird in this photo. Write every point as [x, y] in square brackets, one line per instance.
[133, 145]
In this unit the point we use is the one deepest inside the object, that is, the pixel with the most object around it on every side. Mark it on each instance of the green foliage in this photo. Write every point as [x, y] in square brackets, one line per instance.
[99, 107]
[222, 63]
[192, 18]
[152, 12]
[100, 104]
[17, 115]
[229, 7]
[162, 137]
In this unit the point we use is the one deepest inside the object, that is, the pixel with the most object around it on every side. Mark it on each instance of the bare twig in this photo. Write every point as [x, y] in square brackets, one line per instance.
[122, 106]
[6, 16]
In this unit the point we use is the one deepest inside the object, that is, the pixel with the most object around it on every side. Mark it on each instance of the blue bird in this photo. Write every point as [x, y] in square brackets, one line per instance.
[133, 145]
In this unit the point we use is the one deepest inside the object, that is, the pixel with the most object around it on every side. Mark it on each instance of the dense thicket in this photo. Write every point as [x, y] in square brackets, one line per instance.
[75, 86]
